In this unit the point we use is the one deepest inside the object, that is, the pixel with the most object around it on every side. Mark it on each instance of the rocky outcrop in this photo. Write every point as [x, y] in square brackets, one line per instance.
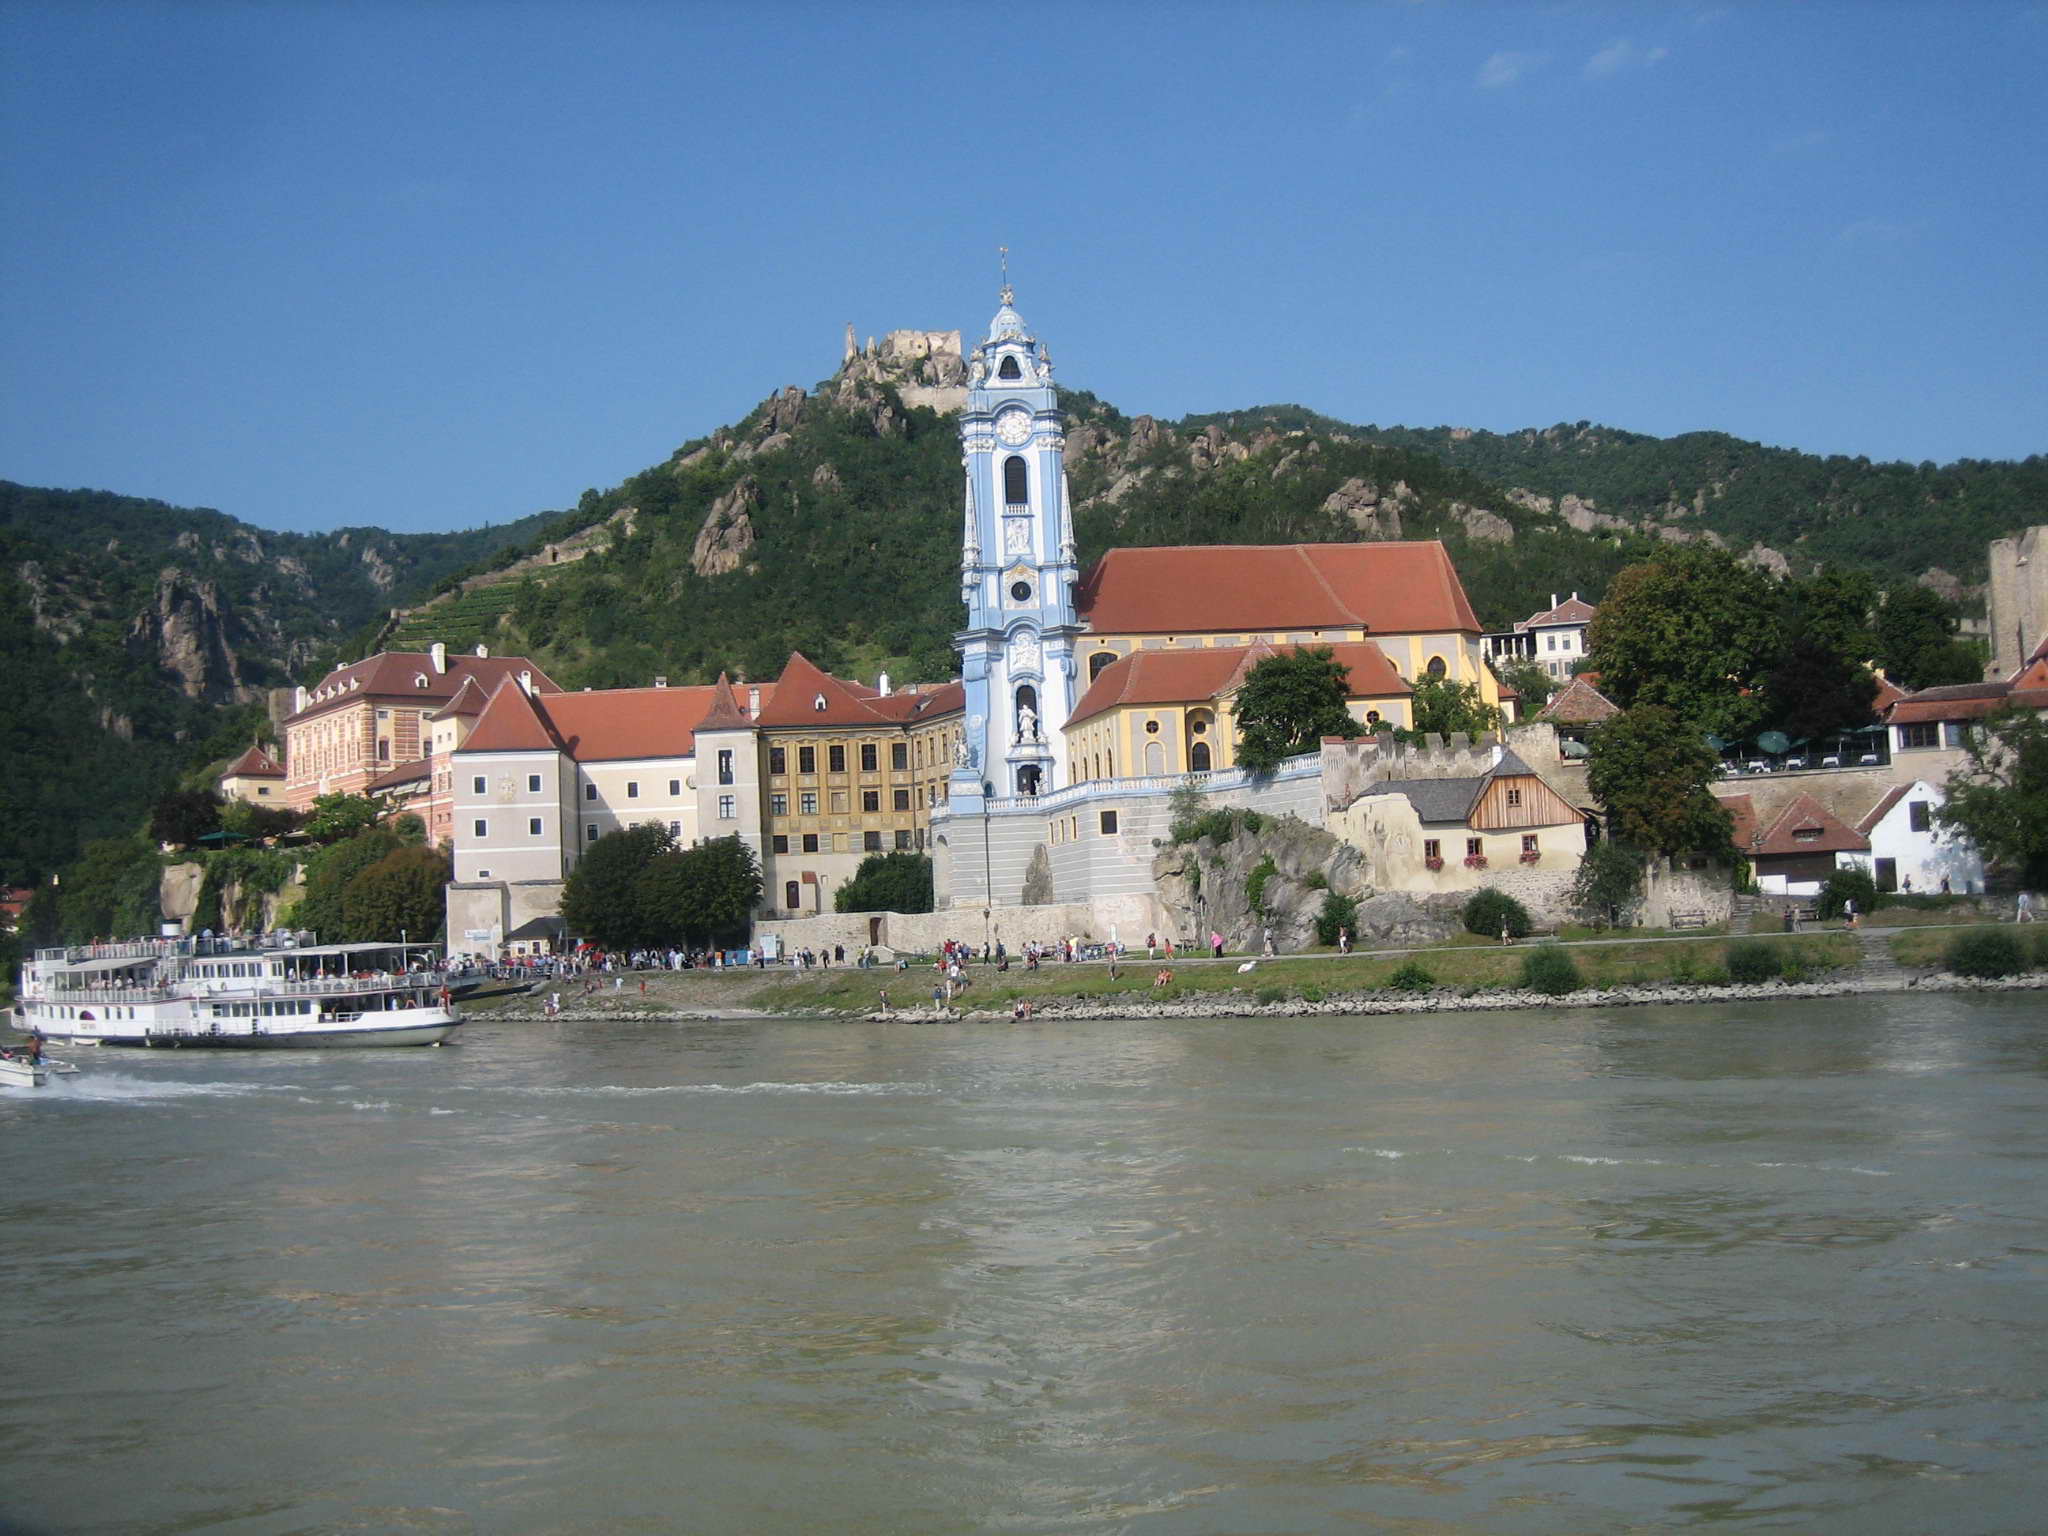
[1038, 891]
[727, 536]
[183, 632]
[1359, 501]
[1481, 524]
[1764, 558]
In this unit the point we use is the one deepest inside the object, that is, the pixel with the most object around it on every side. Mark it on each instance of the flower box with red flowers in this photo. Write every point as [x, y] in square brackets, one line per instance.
[1475, 861]
[1432, 863]
[1530, 855]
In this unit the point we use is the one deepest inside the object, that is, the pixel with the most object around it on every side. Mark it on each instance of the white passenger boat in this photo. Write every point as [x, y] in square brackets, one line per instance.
[271, 992]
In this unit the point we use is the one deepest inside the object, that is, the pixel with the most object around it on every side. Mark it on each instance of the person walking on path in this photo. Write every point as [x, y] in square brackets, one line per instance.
[2023, 909]
[1216, 943]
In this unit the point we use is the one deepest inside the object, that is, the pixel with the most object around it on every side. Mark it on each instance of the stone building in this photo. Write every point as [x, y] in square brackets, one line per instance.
[2019, 602]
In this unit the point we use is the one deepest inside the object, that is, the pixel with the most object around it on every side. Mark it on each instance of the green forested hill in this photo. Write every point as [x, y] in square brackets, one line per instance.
[1896, 518]
[136, 636]
[829, 522]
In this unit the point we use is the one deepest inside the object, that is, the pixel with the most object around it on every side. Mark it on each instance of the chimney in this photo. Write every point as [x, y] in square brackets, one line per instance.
[661, 682]
[1553, 599]
[483, 652]
[882, 685]
[525, 682]
[753, 703]
[439, 652]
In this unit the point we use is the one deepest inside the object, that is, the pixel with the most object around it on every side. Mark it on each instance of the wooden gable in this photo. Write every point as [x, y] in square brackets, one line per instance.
[1521, 800]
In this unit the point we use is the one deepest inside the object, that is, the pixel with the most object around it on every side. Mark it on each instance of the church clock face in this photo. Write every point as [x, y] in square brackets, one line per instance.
[1013, 426]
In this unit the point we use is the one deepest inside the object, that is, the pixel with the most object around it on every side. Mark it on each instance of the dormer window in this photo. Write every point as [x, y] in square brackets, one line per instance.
[818, 703]
[419, 680]
[1009, 369]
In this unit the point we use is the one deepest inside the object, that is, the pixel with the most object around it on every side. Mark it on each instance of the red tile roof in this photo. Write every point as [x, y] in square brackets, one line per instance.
[1199, 673]
[626, 723]
[1392, 588]
[803, 684]
[1965, 701]
[1867, 822]
[1573, 610]
[511, 722]
[254, 764]
[410, 676]
[469, 699]
[1824, 831]
[417, 771]
[725, 713]
[1578, 703]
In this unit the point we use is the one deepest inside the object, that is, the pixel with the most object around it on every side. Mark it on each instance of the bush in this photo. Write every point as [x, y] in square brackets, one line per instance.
[1266, 996]
[1551, 970]
[2040, 946]
[1489, 909]
[1311, 994]
[1845, 886]
[1255, 884]
[1751, 961]
[1413, 976]
[1984, 953]
[1316, 880]
[1341, 912]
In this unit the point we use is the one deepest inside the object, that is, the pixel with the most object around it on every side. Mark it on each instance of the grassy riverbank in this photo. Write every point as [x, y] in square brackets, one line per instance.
[1473, 966]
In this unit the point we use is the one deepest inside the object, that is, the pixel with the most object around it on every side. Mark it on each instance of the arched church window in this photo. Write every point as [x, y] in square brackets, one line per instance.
[1097, 662]
[1009, 369]
[1198, 757]
[1155, 758]
[1436, 666]
[1016, 490]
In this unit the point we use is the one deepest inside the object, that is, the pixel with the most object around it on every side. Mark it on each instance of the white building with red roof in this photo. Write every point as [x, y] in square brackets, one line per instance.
[255, 775]
[1554, 639]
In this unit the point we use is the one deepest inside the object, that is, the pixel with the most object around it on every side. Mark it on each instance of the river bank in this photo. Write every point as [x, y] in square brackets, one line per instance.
[1633, 972]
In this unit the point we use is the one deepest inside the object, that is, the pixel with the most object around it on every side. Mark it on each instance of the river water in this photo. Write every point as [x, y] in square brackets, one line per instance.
[1774, 1268]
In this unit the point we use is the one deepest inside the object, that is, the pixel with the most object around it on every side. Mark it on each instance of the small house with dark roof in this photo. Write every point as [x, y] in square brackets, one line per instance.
[1577, 710]
[255, 775]
[1431, 824]
[1796, 833]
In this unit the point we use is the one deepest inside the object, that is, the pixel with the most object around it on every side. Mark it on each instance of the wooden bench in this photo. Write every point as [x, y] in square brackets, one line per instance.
[1688, 919]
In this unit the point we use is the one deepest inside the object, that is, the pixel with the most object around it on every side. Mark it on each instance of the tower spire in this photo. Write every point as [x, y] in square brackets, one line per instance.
[1007, 296]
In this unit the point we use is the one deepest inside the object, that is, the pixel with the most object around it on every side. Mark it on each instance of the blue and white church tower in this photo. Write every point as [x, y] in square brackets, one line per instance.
[1018, 571]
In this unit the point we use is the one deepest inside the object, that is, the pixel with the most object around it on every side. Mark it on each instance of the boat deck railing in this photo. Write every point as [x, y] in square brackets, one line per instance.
[243, 989]
[200, 947]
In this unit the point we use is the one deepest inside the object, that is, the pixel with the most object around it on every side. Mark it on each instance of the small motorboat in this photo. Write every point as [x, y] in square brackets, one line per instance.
[20, 1072]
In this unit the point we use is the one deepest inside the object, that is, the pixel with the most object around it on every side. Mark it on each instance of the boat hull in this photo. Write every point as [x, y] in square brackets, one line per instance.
[19, 1074]
[274, 1040]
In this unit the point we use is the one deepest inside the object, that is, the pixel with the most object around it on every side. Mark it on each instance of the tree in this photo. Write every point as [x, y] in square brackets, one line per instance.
[699, 895]
[112, 892]
[1444, 707]
[1915, 634]
[601, 899]
[1815, 690]
[1607, 886]
[1528, 679]
[322, 909]
[887, 882]
[402, 894]
[1998, 798]
[337, 817]
[254, 819]
[183, 816]
[1651, 770]
[1692, 631]
[1289, 702]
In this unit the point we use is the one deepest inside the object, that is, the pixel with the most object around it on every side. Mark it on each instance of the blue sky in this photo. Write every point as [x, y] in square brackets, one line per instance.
[436, 265]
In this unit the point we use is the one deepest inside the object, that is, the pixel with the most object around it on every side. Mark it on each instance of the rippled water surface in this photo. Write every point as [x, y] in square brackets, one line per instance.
[1770, 1269]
